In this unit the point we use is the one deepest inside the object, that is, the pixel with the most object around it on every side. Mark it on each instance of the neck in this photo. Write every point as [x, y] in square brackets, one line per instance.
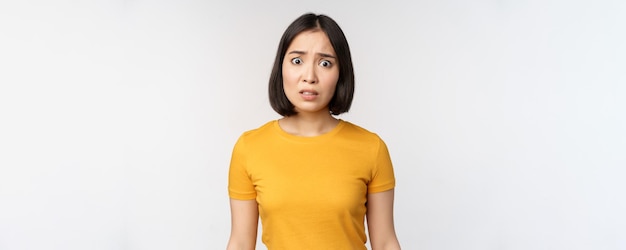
[307, 124]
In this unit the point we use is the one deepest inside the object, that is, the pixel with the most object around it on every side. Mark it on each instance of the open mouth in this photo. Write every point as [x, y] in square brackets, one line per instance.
[308, 92]
[308, 95]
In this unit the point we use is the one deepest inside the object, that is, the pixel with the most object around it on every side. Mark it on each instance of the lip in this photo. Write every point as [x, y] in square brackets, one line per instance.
[311, 91]
[308, 94]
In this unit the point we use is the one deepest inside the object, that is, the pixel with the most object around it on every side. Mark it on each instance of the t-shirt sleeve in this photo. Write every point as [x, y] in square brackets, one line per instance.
[240, 186]
[383, 178]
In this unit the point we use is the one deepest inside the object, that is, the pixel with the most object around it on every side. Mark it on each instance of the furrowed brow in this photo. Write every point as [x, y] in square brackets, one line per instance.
[297, 52]
[326, 55]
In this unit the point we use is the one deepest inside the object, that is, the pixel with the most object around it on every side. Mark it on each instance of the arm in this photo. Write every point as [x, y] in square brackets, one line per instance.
[244, 222]
[380, 221]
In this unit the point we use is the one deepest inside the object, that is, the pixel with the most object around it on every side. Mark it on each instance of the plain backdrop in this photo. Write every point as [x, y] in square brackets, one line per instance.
[505, 120]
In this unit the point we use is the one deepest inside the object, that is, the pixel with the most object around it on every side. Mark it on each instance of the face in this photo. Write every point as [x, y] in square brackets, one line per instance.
[310, 72]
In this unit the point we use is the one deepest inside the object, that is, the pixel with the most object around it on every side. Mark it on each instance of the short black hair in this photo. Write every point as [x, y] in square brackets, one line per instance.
[344, 91]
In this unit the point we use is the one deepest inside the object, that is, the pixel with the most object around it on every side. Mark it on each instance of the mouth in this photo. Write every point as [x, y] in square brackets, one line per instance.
[308, 92]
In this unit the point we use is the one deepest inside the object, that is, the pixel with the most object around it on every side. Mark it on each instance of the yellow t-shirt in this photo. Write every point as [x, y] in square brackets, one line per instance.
[311, 191]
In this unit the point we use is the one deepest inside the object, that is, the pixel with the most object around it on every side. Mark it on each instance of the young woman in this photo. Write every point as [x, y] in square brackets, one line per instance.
[312, 178]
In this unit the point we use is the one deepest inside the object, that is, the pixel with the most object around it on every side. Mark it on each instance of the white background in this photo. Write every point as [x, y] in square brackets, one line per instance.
[505, 119]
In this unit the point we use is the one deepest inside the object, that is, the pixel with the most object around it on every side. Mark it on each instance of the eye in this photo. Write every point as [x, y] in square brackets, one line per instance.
[325, 63]
[296, 60]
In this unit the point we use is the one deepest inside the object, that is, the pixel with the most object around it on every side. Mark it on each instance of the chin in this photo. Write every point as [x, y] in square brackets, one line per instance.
[312, 111]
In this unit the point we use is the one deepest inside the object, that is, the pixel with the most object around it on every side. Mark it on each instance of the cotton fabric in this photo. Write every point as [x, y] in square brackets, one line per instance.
[311, 191]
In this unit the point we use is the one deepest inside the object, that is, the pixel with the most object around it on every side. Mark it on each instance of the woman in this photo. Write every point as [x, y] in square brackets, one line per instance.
[312, 178]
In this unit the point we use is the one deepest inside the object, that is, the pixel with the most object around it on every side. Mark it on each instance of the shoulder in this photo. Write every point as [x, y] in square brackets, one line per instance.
[257, 133]
[360, 133]
[263, 128]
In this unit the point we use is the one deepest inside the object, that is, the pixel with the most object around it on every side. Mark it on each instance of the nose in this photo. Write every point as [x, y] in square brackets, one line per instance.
[309, 75]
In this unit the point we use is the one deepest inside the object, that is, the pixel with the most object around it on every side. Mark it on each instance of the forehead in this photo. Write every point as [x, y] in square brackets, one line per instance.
[311, 40]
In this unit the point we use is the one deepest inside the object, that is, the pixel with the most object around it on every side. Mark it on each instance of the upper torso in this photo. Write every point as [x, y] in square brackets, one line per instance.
[311, 191]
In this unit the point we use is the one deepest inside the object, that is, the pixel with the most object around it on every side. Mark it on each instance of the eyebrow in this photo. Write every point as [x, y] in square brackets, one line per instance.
[302, 53]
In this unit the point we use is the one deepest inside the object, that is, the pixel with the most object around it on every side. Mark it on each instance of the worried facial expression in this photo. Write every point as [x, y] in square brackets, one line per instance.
[310, 72]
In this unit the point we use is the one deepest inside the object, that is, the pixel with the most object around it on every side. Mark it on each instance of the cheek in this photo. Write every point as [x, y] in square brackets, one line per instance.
[332, 79]
[288, 76]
